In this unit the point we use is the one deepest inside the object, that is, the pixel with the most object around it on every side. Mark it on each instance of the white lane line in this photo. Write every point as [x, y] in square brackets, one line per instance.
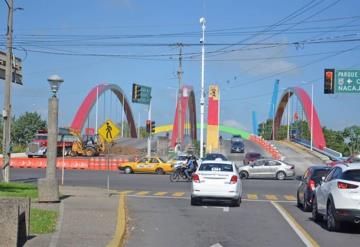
[216, 245]
[299, 230]
[226, 209]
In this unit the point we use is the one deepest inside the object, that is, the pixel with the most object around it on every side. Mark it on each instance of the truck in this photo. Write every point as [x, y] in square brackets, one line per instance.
[38, 146]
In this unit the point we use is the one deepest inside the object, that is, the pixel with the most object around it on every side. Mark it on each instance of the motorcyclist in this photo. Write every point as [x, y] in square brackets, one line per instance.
[190, 167]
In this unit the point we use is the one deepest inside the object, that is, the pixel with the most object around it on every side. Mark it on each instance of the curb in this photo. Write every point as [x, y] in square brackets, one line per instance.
[119, 235]
[299, 147]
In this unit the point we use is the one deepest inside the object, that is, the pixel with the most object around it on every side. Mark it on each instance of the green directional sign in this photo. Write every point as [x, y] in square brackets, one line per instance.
[347, 81]
[141, 94]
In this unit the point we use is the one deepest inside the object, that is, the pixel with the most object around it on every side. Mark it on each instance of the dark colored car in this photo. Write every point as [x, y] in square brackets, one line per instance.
[237, 147]
[214, 156]
[251, 156]
[312, 177]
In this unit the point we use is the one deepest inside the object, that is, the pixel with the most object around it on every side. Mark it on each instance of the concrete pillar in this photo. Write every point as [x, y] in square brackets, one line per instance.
[48, 187]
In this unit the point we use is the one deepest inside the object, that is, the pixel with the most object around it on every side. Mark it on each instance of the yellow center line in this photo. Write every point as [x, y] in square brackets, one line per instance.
[160, 193]
[252, 196]
[126, 191]
[290, 197]
[271, 197]
[142, 193]
[178, 194]
[300, 231]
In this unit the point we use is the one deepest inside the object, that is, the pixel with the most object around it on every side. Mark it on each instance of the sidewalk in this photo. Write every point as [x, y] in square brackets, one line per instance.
[87, 217]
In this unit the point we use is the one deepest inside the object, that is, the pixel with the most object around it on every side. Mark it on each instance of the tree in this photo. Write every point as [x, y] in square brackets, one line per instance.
[24, 128]
[351, 136]
[335, 140]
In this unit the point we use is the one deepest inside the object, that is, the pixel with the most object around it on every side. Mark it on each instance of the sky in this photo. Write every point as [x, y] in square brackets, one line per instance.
[249, 44]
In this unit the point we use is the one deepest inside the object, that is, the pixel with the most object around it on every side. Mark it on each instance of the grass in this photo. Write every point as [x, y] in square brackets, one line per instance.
[42, 221]
[18, 190]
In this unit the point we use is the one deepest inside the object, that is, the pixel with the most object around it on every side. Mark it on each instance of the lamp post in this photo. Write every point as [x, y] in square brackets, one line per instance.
[48, 187]
[202, 93]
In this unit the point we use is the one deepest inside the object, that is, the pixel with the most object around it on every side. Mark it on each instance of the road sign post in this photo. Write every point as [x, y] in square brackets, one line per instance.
[109, 131]
[142, 94]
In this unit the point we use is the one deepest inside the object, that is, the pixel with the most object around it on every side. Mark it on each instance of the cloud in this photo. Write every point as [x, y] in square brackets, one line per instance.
[251, 62]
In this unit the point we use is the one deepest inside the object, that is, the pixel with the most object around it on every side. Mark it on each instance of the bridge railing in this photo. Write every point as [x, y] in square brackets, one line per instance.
[332, 154]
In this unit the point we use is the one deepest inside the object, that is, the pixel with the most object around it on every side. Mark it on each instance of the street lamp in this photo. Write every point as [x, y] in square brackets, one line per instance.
[48, 187]
[202, 93]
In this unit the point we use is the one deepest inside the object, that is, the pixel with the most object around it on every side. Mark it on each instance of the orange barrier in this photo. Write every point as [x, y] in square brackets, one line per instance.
[268, 147]
[98, 163]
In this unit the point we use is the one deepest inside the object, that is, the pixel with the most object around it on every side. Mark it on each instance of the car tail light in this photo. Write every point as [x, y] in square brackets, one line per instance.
[311, 184]
[233, 179]
[196, 178]
[342, 185]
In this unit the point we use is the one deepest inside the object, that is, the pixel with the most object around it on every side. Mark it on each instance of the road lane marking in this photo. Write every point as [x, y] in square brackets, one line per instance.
[142, 193]
[290, 197]
[252, 196]
[177, 194]
[299, 230]
[271, 197]
[160, 193]
[216, 245]
[126, 191]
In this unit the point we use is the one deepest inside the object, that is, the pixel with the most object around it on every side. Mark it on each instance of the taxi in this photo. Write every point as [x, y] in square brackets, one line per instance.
[147, 165]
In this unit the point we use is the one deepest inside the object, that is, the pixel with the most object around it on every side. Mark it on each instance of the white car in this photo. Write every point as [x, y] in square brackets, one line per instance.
[337, 198]
[216, 180]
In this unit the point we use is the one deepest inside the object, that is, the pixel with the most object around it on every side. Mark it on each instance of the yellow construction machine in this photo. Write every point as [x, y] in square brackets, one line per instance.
[87, 145]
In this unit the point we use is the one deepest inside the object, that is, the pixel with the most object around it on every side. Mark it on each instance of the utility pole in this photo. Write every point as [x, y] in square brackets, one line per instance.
[7, 95]
[202, 93]
[179, 74]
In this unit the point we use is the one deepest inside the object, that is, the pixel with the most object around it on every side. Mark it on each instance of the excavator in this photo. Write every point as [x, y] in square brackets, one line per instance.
[87, 145]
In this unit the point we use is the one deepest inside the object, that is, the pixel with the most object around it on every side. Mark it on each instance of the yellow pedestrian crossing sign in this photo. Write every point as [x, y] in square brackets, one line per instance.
[109, 131]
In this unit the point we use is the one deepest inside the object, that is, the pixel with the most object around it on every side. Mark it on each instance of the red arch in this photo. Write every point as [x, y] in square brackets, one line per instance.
[318, 135]
[187, 101]
[88, 103]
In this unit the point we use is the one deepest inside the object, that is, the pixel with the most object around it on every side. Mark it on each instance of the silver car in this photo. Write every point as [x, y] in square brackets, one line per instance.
[267, 168]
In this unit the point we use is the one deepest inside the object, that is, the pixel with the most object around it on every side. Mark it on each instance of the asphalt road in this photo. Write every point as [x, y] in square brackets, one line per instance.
[160, 213]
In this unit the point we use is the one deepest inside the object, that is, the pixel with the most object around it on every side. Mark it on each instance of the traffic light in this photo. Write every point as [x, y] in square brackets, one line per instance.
[153, 127]
[329, 78]
[148, 126]
[136, 92]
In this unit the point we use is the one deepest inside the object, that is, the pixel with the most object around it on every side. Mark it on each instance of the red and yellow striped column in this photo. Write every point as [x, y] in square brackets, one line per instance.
[212, 143]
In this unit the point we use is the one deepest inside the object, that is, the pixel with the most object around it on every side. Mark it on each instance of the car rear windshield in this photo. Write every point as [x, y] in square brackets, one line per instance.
[352, 175]
[320, 173]
[216, 167]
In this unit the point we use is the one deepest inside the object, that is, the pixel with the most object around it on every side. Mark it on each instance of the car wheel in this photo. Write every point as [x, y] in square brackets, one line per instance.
[305, 206]
[315, 214]
[195, 201]
[331, 223]
[159, 171]
[128, 170]
[90, 152]
[280, 175]
[30, 156]
[244, 175]
[236, 202]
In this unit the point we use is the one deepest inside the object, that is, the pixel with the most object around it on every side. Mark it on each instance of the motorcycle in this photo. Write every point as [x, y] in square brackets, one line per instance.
[179, 173]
